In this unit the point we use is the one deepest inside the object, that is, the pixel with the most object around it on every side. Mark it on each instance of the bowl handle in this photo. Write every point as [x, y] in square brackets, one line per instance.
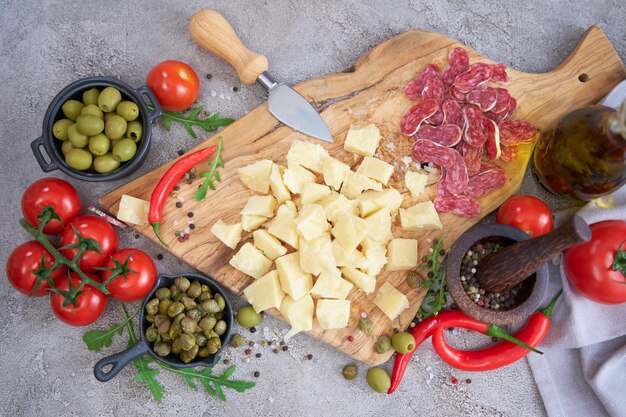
[119, 361]
[36, 146]
[145, 91]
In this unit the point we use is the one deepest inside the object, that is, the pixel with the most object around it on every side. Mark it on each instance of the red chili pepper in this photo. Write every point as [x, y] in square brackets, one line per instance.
[168, 182]
[501, 354]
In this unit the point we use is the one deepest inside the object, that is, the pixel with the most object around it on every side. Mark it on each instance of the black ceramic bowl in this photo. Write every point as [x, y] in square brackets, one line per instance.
[118, 361]
[75, 91]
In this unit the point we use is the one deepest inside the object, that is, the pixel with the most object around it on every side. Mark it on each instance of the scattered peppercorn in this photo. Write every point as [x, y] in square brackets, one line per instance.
[454, 380]
[250, 343]
[159, 256]
[180, 152]
[285, 348]
[209, 76]
[430, 274]
[256, 374]
[350, 339]
[192, 226]
[190, 214]
[190, 181]
[275, 350]
[429, 263]
[468, 380]
[442, 252]
[136, 235]
[179, 204]
[309, 356]
[252, 329]
[258, 355]
[248, 351]
[176, 188]
[235, 89]
[226, 361]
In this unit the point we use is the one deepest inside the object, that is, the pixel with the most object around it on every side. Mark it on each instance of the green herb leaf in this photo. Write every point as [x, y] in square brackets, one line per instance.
[97, 339]
[211, 174]
[435, 298]
[619, 262]
[209, 124]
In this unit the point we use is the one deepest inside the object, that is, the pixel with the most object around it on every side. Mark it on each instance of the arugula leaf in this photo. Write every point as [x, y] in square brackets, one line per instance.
[211, 174]
[435, 298]
[209, 124]
[97, 339]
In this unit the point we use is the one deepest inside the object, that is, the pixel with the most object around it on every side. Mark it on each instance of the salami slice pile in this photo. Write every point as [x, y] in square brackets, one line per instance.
[460, 123]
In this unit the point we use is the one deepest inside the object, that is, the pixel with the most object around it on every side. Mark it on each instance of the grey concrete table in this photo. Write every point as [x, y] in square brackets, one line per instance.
[45, 370]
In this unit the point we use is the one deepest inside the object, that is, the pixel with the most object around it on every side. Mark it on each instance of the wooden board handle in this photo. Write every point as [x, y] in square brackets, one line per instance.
[212, 31]
[513, 264]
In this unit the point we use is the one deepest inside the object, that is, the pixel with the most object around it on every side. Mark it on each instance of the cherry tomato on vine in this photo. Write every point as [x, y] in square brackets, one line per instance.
[90, 227]
[25, 259]
[590, 266]
[135, 285]
[59, 194]
[89, 304]
[527, 213]
[175, 85]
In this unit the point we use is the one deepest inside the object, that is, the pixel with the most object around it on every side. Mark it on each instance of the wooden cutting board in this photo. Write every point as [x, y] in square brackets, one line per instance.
[371, 92]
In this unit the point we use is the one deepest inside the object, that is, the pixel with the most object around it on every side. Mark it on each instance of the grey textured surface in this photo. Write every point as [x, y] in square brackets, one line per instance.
[45, 368]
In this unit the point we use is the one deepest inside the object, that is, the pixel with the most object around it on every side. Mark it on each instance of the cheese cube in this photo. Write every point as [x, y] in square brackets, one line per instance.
[260, 205]
[295, 177]
[133, 210]
[313, 192]
[251, 261]
[334, 172]
[391, 301]
[250, 222]
[265, 292]
[256, 176]
[331, 285]
[332, 314]
[354, 184]
[293, 280]
[370, 201]
[375, 253]
[350, 230]
[360, 279]
[316, 255]
[380, 225]
[420, 216]
[362, 140]
[376, 169]
[311, 221]
[402, 254]
[299, 314]
[415, 182]
[284, 228]
[287, 209]
[350, 258]
[277, 185]
[270, 246]
[308, 155]
[335, 204]
[229, 234]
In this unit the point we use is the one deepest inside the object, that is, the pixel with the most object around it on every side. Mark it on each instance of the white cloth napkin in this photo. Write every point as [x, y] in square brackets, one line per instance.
[583, 370]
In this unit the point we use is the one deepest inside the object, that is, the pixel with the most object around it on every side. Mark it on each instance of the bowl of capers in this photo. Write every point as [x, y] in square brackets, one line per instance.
[185, 321]
[97, 129]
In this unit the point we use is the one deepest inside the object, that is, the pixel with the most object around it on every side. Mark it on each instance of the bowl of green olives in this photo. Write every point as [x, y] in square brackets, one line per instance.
[185, 321]
[97, 129]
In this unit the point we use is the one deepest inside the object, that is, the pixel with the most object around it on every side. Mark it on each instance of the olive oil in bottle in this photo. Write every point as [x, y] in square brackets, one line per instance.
[583, 157]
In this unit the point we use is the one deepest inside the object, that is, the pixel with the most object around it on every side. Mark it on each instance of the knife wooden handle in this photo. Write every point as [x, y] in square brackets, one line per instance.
[211, 31]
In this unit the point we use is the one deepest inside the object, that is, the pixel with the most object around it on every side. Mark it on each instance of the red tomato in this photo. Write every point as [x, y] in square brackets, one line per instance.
[135, 285]
[23, 261]
[175, 84]
[89, 305]
[527, 213]
[59, 194]
[589, 266]
[90, 227]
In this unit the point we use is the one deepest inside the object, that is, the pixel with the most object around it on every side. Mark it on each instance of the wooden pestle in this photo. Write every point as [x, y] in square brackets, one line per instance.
[513, 264]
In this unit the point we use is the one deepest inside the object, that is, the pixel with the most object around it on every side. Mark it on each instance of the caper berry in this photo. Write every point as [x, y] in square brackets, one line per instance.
[162, 293]
[220, 301]
[203, 352]
[151, 334]
[207, 323]
[403, 342]
[182, 284]
[194, 290]
[188, 303]
[162, 348]
[220, 327]
[201, 339]
[189, 355]
[365, 325]
[188, 341]
[349, 372]
[413, 279]
[175, 309]
[189, 325]
[237, 340]
[383, 344]
[152, 307]
[214, 344]
[194, 314]
[164, 305]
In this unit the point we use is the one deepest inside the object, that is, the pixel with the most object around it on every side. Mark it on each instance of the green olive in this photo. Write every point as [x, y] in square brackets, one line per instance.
[66, 147]
[106, 163]
[248, 317]
[92, 109]
[128, 110]
[79, 159]
[99, 144]
[124, 150]
[89, 125]
[109, 98]
[71, 109]
[59, 129]
[403, 342]
[115, 127]
[378, 380]
[108, 115]
[77, 139]
[91, 96]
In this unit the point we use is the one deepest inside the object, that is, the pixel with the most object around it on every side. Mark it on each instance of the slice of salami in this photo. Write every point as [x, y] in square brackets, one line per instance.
[471, 156]
[445, 135]
[484, 98]
[441, 189]
[456, 178]
[492, 145]
[498, 73]
[477, 74]
[459, 205]
[414, 88]
[487, 166]
[485, 181]
[458, 63]
[434, 90]
[509, 153]
[429, 151]
[457, 95]
[513, 132]
[502, 100]
[416, 115]
[474, 133]
[512, 107]
[436, 119]
[453, 113]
